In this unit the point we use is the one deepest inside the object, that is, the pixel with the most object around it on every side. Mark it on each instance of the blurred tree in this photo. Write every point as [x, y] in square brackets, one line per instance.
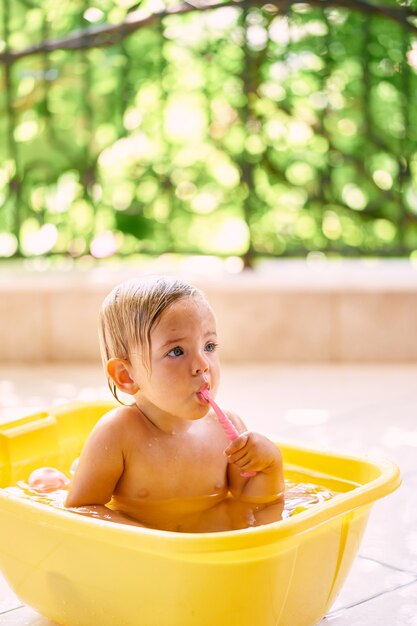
[237, 128]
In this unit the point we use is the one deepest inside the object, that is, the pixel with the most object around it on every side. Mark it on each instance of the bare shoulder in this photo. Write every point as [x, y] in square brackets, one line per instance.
[117, 421]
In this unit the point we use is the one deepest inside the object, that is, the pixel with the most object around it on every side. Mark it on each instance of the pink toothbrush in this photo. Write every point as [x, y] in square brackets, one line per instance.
[225, 423]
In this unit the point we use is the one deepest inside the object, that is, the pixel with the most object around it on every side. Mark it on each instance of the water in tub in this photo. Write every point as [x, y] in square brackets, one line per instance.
[220, 511]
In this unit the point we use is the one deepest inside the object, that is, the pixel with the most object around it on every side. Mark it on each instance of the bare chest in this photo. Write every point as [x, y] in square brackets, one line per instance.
[182, 465]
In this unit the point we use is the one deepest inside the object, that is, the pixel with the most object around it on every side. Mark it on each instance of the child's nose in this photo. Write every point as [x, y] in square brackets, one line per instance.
[200, 365]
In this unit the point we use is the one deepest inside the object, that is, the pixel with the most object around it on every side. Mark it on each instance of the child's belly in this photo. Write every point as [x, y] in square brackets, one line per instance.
[201, 514]
[190, 514]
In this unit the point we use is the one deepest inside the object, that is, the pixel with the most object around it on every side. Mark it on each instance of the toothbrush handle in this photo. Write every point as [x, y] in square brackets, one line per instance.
[228, 428]
[224, 421]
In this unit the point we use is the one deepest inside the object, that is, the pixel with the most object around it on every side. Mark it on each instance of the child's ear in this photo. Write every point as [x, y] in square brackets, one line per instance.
[118, 371]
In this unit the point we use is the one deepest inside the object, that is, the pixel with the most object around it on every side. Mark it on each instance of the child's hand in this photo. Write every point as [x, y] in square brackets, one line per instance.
[253, 452]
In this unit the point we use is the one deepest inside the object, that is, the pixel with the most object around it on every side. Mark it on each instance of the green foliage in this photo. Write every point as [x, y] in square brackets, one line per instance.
[232, 131]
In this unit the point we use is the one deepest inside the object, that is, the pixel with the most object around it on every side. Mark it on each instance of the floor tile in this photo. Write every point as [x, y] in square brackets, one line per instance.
[25, 616]
[391, 533]
[368, 579]
[28, 389]
[8, 600]
[398, 608]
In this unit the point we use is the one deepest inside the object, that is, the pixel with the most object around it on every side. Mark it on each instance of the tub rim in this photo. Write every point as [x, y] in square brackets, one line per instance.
[386, 478]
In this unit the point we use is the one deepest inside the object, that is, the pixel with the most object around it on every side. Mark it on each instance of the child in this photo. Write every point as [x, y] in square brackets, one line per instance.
[164, 461]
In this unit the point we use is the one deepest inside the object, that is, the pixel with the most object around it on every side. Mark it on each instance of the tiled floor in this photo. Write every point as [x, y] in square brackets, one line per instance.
[363, 410]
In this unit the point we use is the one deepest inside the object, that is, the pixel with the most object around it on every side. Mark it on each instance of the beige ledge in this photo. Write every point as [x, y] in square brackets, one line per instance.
[285, 311]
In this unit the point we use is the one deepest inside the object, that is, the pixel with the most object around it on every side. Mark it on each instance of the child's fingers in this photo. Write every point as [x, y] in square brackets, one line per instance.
[237, 444]
[238, 457]
[246, 463]
[244, 459]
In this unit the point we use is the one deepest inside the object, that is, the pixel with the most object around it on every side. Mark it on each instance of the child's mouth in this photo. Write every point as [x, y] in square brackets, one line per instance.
[201, 395]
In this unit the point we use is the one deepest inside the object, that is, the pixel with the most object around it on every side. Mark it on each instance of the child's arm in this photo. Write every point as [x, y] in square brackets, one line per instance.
[100, 511]
[100, 466]
[253, 452]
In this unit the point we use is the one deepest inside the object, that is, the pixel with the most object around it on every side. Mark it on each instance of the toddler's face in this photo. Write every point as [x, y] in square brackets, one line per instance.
[183, 360]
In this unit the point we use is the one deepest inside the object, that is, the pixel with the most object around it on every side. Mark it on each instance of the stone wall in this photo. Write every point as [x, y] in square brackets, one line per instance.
[285, 312]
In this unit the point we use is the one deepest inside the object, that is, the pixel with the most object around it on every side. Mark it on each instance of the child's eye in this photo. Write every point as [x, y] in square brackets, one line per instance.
[210, 347]
[177, 351]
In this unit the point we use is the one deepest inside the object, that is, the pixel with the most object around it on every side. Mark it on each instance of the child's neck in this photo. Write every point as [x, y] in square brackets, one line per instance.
[166, 423]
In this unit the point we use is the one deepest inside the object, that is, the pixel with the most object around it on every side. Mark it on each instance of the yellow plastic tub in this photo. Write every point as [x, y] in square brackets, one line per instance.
[80, 571]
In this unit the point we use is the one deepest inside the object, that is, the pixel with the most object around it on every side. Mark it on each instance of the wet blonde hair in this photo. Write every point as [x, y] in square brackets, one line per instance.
[129, 313]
